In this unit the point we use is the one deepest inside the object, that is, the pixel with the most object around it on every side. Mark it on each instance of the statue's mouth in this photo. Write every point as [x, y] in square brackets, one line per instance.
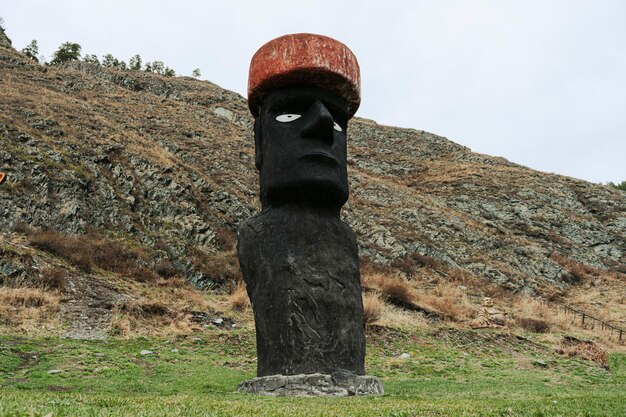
[320, 157]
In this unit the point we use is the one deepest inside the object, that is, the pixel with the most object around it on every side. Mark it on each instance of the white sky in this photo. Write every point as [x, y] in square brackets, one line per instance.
[540, 82]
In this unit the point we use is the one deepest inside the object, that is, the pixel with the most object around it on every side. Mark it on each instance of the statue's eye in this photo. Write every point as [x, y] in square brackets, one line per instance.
[286, 118]
[337, 127]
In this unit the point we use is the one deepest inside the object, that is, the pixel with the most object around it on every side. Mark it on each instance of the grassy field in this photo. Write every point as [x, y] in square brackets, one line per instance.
[450, 372]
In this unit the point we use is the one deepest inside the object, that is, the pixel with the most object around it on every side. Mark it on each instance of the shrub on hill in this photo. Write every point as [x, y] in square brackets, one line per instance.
[620, 186]
[31, 50]
[110, 61]
[91, 59]
[135, 63]
[89, 251]
[534, 325]
[68, 51]
[158, 67]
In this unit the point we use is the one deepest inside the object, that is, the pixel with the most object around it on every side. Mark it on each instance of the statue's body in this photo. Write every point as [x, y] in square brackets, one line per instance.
[302, 275]
[299, 260]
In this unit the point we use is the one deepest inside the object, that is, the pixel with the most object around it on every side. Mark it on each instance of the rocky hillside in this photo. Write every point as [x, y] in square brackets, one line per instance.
[164, 168]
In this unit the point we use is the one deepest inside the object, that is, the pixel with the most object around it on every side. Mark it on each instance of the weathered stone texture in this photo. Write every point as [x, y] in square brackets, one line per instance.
[302, 275]
[313, 385]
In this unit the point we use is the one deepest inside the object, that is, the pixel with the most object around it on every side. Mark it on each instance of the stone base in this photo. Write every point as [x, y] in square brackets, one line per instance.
[313, 385]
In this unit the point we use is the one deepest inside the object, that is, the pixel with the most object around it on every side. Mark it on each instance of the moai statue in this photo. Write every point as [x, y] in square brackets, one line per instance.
[299, 261]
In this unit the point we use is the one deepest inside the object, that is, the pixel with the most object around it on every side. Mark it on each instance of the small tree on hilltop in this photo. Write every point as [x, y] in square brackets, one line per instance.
[68, 51]
[169, 72]
[158, 67]
[196, 73]
[91, 59]
[107, 60]
[135, 62]
[620, 186]
[155, 66]
[110, 61]
[31, 50]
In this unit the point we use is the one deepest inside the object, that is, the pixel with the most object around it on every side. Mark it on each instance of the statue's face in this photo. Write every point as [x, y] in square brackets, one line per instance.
[301, 147]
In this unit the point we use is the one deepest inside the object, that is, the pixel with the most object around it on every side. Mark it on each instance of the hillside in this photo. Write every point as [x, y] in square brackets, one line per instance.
[122, 173]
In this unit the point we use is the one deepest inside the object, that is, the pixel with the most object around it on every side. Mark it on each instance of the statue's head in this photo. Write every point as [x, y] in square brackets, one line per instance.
[302, 90]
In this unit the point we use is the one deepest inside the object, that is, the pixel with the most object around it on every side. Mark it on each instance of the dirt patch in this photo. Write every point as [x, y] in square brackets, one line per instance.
[212, 319]
[28, 359]
[585, 349]
[88, 307]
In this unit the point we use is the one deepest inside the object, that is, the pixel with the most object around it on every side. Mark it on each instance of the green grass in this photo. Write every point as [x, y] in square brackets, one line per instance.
[450, 372]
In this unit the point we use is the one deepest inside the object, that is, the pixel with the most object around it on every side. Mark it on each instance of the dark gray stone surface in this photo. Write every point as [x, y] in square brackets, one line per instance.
[302, 276]
[313, 385]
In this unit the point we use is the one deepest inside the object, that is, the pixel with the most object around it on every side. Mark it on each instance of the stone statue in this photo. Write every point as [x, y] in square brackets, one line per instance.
[488, 316]
[299, 260]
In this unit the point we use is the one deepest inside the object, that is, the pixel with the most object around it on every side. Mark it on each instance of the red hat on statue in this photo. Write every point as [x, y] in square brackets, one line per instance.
[301, 60]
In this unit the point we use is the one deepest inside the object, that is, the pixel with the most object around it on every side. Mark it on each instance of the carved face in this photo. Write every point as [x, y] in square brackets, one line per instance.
[301, 147]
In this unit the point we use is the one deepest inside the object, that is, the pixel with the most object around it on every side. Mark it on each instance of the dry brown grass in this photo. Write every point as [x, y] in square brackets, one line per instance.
[605, 301]
[160, 310]
[239, 299]
[399, 318]
[533, 325]
[601, 294]
[412, 263]
[53, 278]
[226, 238]
[25, 297]
[585, 349]
[521, 309]
[222, 267]
[66, 247]
[165, 269]
[393, 288]
[176, 282]
[447, 299]
[35, 273]
[142, 274]
[397, 291]
[147, 309]
[478, 285]
[578, 272]
[372, 308]
[28, 309]
[92, 250]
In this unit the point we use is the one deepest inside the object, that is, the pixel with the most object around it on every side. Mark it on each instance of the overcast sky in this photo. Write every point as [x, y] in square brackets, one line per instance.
[539, 82]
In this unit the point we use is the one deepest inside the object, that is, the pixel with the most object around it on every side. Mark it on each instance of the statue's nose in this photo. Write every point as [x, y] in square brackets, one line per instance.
[319, 123]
